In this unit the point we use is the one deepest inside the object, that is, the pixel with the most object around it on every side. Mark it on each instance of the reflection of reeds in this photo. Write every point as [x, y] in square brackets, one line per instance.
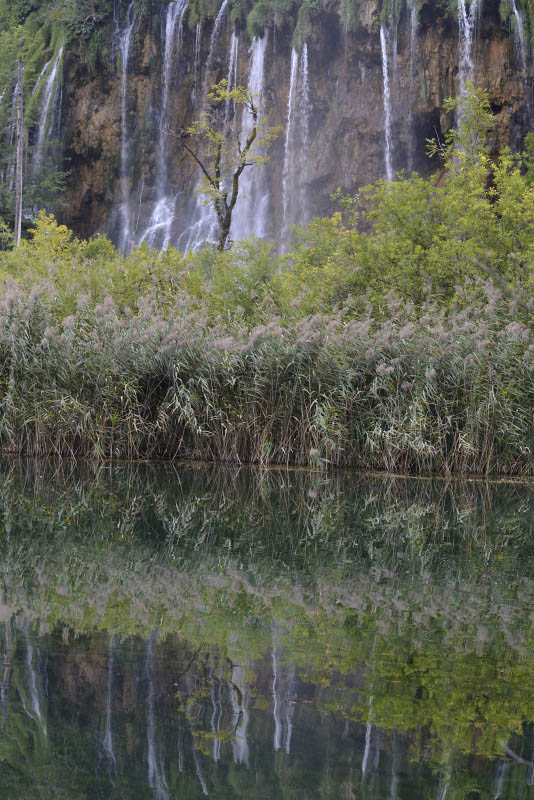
[450, 394]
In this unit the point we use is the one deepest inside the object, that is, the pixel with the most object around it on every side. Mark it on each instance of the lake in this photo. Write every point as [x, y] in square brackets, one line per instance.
[189, 631]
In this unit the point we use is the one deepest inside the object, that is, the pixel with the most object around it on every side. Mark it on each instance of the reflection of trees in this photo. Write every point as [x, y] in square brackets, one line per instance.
[275, 581]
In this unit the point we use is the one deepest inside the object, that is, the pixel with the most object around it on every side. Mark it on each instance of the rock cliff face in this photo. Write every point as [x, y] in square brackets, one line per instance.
[355, 105]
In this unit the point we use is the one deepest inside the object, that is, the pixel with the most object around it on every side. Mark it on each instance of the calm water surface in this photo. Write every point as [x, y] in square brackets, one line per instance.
[188, 631]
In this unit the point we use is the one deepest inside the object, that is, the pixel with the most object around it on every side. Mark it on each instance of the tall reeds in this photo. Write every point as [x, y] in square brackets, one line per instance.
[447, 392]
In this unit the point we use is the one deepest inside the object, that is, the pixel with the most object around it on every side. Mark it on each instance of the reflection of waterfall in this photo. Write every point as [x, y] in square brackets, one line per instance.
[217, 710]
[297, 143]
[124, 47]
[4, 684]
[48, 111]
[394, 768]
[198, 770]
[283, 708]
[499, 779]
[108, 737]
[158, 232]
[414, 19]
[203, 228]
[156, 774]
[384, 45]
[241, 714]
[32, 683]
[368, 731]
[466, 24]
[250, 214]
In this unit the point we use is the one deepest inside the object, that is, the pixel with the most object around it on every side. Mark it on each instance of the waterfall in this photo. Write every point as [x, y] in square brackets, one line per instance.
[414, 19]
[203, 227]
[251, 210]
[297, 142]
[158, 232]
[212, 51]
[156, 774]
[384, 37]
[466, 24]
[306, 109]
[108, 737]
[45, 118]
[198, 40]
[125, 38]
[520, 38]
[231, 78]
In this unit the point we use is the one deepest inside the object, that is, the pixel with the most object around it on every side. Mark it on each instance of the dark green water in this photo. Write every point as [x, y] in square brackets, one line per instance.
[190, 631]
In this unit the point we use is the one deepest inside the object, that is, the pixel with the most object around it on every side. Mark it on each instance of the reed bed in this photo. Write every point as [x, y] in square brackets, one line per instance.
[446, 392]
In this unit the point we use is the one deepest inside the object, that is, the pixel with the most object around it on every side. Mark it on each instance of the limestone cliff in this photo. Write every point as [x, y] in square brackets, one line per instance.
[359, 101]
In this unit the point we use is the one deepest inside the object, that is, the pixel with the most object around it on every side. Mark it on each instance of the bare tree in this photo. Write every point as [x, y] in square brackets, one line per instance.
[223, 152]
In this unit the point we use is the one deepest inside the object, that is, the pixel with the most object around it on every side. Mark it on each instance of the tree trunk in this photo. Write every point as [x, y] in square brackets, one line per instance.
[20, 155]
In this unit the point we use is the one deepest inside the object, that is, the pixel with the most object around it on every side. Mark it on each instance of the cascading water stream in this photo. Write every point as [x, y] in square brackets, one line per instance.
[286, 175]
[466, 24]
[198, 40]
[414, 21]
[296, 144]
[387, 103]
[520, 38]
[251, 210]
[231, 80]
[203, 227]
[206, 87]
[50, 91]
[125, 39]
[158, 231]
[523, 49]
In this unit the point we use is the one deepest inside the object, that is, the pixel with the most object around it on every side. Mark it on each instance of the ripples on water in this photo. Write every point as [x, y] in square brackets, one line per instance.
[191, 631]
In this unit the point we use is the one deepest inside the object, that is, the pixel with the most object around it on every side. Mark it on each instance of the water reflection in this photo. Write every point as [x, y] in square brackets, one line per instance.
[191, 632]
